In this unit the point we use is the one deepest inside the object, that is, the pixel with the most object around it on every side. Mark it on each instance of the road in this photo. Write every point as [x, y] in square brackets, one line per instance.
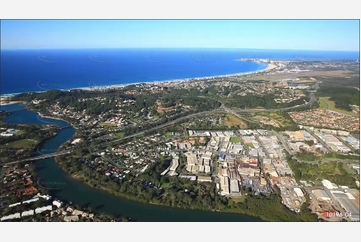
[345, 143]
[312, 100]
[261, 161]
[214, 152]
[283, 141]
[319, 140]
[40, 157]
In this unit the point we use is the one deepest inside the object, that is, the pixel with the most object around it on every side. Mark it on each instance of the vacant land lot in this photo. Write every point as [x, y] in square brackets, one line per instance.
[230, 120]
[327, 104]
[274, 119]
[278, 76]
[332, 171]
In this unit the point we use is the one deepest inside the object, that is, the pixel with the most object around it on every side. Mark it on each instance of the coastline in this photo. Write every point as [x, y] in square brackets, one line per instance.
[7, 102]
[270, 66]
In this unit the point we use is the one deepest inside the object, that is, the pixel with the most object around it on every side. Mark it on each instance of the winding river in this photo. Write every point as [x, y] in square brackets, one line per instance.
[70, 189]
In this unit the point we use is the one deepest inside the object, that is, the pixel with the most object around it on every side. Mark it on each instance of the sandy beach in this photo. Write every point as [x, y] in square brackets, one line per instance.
[270, 67]
[6, 102]
[51, 117]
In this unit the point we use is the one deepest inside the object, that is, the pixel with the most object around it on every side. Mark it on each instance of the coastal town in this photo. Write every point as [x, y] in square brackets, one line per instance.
[239, 137]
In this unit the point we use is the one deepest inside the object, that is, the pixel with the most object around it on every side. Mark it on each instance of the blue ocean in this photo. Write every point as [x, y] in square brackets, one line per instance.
[42, 70]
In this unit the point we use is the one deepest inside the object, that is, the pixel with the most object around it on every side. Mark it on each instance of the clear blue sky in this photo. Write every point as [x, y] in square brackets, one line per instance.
[258, 34]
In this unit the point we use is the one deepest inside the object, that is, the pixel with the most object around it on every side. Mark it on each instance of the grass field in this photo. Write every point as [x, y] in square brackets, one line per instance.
[108, 125]
[235, 139]
[119, 134]
[342, 157]
[327, 104]
[249, 145]
[239, 199]
[165, 185]
[22, 144]
[230, 120]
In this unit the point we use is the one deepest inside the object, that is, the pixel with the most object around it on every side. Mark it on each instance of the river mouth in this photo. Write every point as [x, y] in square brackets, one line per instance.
[62, 186]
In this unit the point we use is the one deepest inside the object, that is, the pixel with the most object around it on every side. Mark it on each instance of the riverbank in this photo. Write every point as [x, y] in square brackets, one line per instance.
[272, 211]
[268, 208]
[83, 179]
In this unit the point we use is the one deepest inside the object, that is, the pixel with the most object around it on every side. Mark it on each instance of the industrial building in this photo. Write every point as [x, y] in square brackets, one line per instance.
[321, 195]
[191, 159]
[174, 164]
[298, 192]
[27, 213]
[192, 178]
[204, 179]
[207, 169]
[43, 209]
[234, 186]
[328, 184]
[57, 203]
[11, 216]
[224, 181]
[349, 203]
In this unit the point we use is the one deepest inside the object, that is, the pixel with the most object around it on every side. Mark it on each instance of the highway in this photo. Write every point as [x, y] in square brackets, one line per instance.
[218, 110]
[221, 109]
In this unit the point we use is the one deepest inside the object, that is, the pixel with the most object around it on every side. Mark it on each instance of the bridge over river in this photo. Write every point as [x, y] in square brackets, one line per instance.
[40, 157]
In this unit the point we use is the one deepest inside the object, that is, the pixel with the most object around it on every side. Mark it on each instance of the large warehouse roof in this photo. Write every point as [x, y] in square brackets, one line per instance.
[321, 194]
[298, 191]
[327, 184]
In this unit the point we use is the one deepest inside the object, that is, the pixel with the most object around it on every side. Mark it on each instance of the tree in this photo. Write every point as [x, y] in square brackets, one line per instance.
[124, 219]
[309, 142]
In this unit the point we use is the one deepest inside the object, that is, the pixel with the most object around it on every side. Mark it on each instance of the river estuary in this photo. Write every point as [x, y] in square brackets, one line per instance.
[70, 189]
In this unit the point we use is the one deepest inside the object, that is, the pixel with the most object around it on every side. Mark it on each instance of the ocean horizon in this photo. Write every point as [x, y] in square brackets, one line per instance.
[65, 69]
